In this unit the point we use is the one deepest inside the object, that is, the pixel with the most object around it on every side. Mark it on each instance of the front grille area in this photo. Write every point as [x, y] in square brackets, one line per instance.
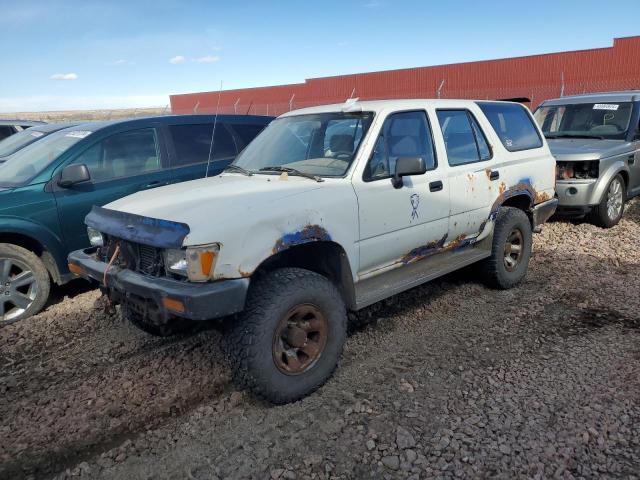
[134, 256]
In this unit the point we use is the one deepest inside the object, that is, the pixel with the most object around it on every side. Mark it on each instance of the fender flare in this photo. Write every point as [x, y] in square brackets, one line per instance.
[51, 243]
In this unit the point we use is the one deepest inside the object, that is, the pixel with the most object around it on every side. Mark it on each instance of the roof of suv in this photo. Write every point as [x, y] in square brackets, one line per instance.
[377, 105]
[625, 96]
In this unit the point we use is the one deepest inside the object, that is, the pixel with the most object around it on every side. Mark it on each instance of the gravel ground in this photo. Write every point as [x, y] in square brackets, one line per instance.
[450, 379]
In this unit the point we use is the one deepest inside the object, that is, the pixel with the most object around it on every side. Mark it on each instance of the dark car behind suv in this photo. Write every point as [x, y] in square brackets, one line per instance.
[16, 142]
[47, 188]
[11, 127]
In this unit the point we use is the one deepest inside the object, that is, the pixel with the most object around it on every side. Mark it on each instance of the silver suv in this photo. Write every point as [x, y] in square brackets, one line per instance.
[595, 139]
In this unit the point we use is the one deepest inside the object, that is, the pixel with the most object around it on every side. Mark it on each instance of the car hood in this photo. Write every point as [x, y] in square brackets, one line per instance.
[224, 198]
[572, 149]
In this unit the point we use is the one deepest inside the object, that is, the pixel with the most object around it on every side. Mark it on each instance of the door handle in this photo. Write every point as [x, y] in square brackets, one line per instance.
[632, 159]
[155, 184]
[494, 175]
[435, 186]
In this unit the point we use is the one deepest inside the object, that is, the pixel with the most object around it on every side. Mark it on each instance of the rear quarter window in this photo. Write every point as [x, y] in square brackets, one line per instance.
[513, 124]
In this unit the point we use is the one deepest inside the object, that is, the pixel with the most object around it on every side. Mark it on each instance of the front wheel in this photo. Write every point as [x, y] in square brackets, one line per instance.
[609, 211]
[289, 339]
[24, 283]
[510, 250]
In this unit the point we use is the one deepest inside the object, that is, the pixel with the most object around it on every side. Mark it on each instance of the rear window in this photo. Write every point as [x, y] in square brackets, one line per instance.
[193, 143]
[513, 125]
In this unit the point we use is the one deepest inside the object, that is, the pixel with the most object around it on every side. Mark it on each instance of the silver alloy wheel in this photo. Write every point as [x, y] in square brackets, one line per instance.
[18, 288]
[614, 199]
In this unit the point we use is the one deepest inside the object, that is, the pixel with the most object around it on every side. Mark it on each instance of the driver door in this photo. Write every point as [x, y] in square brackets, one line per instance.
[401, 225]
[119, 165]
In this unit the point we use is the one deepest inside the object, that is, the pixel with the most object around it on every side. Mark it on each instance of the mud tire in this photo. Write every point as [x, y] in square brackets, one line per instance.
[250, 343]
[494, 270]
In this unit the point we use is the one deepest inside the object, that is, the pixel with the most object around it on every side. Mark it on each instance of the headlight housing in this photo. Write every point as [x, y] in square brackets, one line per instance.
[95, 237]
[195, 263]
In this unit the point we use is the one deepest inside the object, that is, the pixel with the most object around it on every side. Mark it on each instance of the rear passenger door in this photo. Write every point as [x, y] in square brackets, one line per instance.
[120, 164]
[190, 147]
[471, 179]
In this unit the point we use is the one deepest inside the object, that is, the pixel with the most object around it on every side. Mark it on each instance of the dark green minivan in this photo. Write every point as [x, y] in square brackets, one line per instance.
[47, 188]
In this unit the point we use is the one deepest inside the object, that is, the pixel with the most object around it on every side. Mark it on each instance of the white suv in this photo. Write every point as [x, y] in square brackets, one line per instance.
[329, 210]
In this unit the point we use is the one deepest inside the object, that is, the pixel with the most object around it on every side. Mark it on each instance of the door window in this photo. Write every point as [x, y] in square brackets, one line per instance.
[405, 134]
[192, 143]
[122, 155]
[247, 132]
[463, 138]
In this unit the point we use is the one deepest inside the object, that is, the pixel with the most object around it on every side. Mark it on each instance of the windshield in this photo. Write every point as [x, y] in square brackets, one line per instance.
[322, 144]
[21, 139]
[585, 120]
[27, 163]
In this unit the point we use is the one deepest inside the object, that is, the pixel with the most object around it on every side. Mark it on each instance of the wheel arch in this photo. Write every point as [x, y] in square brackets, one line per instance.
[326, 258]
[39, 241]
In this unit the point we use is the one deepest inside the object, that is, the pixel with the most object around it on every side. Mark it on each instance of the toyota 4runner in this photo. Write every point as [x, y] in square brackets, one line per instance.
[327, 211]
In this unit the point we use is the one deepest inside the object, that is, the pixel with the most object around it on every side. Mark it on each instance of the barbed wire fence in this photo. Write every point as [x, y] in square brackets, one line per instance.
[533, 95]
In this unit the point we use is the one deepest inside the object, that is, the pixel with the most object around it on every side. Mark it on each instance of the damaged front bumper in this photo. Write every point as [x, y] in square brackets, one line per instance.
[160, 295]
[542, 212]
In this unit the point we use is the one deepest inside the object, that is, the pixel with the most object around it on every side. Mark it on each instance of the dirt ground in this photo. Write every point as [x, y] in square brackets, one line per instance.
[90, 115]
[448, 380]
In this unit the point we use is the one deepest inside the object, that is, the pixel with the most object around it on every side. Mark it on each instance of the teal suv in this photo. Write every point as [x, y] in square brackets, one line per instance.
[47, 189]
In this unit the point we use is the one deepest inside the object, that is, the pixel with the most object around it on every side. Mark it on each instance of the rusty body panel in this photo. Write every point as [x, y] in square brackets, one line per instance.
[310, 233]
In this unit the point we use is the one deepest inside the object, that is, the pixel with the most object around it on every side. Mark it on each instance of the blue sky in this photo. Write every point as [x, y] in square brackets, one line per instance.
[88, 54]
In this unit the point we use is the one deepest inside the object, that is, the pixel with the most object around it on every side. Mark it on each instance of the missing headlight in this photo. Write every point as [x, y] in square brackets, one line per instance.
[577, 170]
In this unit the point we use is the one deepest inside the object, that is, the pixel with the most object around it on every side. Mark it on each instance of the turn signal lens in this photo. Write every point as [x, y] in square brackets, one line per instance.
[173, 305]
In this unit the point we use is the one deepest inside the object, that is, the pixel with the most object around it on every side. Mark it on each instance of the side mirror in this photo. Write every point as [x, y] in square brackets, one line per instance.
[406, 166]
[73, 174]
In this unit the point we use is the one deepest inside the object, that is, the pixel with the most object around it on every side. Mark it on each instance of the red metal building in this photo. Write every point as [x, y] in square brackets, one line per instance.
[535, 77]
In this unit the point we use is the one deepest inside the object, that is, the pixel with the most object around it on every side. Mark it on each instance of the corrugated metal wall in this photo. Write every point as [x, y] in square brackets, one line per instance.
[536, 77]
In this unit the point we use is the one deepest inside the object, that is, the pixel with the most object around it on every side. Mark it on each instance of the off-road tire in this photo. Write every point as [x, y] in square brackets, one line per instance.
[250, 343]
[40, 274]
[599, 215]
[493, 269]
[173, 326]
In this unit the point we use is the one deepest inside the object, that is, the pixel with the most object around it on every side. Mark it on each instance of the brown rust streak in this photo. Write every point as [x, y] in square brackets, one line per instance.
[244, 274]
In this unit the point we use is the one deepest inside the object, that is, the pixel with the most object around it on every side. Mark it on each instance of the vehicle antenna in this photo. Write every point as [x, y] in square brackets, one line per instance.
[213, 132]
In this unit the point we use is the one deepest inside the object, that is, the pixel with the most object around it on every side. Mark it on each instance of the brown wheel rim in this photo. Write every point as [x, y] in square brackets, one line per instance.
[513, 248]
[299, 339]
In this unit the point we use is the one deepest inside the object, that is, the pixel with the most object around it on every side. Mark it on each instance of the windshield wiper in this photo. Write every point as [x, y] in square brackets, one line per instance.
[572, 135]
[239, 169]
[292, 171]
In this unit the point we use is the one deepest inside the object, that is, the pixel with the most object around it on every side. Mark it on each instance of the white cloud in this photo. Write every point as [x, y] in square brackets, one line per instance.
[208, 59]
[177, 59]
[119, 62]
[64, 76]
[43, 103]
[373, 4]
[216, 48]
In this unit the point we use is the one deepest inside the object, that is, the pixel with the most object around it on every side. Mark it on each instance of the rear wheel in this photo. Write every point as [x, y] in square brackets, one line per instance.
[611, 207]
[510, 250]
[288, 341]
[24, 283]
